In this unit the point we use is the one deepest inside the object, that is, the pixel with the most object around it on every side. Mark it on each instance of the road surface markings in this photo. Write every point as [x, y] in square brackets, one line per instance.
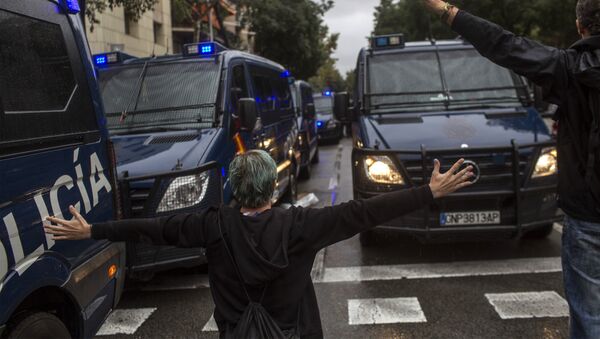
[385, 311]
[211, 325]
[529, 305]
[125, 321]
[441, 270]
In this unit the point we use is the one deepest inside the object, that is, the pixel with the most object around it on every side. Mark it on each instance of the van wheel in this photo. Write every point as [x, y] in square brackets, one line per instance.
[367, 238]
[291, 196]
[315, 159]
[540, 233]
[305, 172]
[40, 325]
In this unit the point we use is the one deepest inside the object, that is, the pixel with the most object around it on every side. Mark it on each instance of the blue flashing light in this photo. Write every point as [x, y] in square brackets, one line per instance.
[72, 6]
[207, 49]
[327, 93]
[286, 74]
[100, 60]
[223, 172]
[319, 123]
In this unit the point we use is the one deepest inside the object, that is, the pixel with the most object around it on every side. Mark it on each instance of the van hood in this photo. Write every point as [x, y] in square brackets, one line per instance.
[455, 130]
[155, 153]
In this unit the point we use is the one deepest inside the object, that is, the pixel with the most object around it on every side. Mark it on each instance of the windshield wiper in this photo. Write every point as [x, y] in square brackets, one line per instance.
[168, 109]
[137, 91]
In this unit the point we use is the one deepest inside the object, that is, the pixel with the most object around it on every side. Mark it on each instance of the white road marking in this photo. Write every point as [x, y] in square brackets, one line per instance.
[211, 325]
[442, 270]
[558, 228]
[125, 321]
[529, 305]
[385, 311]
[306, 201]
[176, 282]
[318, 268]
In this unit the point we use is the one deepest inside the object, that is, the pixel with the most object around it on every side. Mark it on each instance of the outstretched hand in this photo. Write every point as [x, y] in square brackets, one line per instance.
[451, 181]
[75, 229]
[437, 7]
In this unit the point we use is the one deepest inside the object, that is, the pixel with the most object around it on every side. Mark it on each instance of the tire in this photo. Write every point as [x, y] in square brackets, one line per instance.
[315, 159]
[367, 238]
[540, 233]
[40, 325]
[291, 195]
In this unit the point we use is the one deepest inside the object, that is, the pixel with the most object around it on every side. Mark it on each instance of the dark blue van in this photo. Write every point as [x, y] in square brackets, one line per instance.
[416, 102]
[177, 112]
[308, 141]
[330, 129]
[54, 152]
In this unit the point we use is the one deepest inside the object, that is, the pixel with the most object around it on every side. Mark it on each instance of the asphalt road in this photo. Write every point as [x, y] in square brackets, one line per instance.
[398, 288]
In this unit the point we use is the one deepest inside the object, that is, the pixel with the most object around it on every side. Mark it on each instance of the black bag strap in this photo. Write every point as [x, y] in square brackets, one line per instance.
[235, 265]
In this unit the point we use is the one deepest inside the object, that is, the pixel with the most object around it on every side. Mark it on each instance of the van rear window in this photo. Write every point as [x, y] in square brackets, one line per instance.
[171, 95]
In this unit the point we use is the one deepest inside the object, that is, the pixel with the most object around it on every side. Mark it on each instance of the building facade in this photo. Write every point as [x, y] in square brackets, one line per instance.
[152, 34]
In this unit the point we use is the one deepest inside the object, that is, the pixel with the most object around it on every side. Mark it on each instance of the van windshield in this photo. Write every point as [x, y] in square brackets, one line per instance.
[169, 96]
[324, 105]
[461, 79]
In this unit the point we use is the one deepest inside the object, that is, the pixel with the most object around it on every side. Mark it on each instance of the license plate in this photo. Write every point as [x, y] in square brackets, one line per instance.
[470, 218]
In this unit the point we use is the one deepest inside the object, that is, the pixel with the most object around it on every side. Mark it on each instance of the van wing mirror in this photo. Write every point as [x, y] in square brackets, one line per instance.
[310, 111]
[247, 113]
[341, 107]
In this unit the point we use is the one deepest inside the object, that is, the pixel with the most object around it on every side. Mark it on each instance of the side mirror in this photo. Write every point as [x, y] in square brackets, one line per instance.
[310, 111]
[341, 105]
[247, 113]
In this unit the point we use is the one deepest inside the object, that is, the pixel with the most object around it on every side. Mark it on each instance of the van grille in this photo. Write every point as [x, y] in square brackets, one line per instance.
[172, 139]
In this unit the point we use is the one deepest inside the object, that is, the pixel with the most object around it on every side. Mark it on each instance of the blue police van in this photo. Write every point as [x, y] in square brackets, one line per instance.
[330, 129]
[54, 152]
[415, 102]
[174, 113]
[308, 141]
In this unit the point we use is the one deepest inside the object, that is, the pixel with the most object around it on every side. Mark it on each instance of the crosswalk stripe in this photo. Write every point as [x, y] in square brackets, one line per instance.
[524, 305]
[125, 321]
[211, 325]
[385, 311]
[441, 270]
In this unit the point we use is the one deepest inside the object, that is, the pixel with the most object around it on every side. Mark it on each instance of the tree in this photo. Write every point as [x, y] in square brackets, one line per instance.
[195, 12]
[133, 8]
[550, 21]
[351, 81]
[291, 32]
[328, 78]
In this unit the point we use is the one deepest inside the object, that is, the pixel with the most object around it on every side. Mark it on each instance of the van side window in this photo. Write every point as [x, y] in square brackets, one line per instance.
[307, 96]
[40, 96]
[273, 94]
[239, 86]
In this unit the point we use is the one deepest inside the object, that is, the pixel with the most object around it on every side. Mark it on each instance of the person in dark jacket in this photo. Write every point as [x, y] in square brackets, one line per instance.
[570, 78]
[273, 247]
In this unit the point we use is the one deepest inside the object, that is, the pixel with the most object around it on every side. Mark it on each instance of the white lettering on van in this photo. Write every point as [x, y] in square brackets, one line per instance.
[3, 261]
[63, 181]
[14, 238]
[102, 181]
[43, 211]
[80, 184]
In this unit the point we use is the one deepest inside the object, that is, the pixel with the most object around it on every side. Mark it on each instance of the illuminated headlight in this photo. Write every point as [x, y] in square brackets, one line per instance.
[331, 124]
[381, 170]
[300, 140]
[184, 192]
[547, 163]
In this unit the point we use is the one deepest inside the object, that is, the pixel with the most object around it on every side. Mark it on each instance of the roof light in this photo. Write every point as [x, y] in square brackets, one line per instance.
[387, 41]
[286, 74]
[107, 59]
[72, 6]
[203, 49]
[327, 93]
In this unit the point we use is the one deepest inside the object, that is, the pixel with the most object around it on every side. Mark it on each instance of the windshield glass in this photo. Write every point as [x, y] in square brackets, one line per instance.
[324, 105]
[413, 80]
[172, 96]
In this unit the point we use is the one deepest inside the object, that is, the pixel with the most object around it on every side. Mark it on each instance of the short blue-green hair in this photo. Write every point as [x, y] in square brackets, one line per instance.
[252, 176]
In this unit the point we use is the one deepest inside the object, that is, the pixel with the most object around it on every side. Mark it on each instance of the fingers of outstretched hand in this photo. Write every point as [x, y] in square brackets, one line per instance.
[456, 166]
[464, 174]
[436, 166]
[76, 215]
[58, 221]
[54, 229]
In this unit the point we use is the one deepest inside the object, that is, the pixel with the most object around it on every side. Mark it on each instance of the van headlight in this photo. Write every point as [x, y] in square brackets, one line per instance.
[331, 124]
[184, 192]
[381, 170]
[547, 163]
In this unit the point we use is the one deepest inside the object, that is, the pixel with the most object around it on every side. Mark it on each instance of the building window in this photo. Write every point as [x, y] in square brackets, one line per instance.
[158, 33]
[130, 25]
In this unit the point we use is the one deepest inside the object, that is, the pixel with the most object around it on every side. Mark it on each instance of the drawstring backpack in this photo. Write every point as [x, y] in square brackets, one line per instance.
[255, 322]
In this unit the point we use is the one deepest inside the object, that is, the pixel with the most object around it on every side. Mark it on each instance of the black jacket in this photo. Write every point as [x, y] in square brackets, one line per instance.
[570, 79]
[277, 247]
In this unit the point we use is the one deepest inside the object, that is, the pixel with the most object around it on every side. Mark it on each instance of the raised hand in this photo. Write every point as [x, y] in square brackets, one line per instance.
[75, 229]
[451, 181]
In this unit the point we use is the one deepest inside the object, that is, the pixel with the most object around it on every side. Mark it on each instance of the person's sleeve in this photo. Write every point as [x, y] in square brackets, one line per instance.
[545, 66]
[181, 230]
[329, 225]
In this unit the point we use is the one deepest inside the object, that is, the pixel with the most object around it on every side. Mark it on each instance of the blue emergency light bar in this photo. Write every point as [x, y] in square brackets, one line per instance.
[203, 49]
[105, 59]
[286, 74]
[71, 5]
[388, 41]
[327, 93]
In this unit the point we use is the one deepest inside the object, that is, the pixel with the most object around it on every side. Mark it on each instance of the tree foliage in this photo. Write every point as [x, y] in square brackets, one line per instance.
[550, 21]
[133, 8]
[328, 78]
[291, 32]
